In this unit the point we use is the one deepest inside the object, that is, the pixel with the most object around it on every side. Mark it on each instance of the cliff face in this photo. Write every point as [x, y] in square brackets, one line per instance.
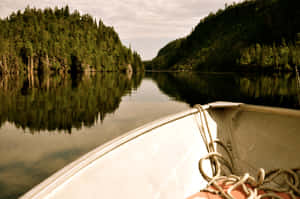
[252, 35]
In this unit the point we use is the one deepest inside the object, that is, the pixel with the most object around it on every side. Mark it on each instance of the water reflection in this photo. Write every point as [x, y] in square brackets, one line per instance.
[62, 102]
[81, 105]
[27, 159]
[263, 89]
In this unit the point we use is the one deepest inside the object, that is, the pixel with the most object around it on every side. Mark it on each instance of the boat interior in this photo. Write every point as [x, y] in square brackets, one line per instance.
[161, 159]
[258, 137]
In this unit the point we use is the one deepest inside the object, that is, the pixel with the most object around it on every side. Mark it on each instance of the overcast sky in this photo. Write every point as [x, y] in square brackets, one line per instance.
[147, 25]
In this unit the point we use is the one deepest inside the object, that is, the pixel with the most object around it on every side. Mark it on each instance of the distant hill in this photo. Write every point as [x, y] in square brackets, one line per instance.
[252, 35]
[57, 40]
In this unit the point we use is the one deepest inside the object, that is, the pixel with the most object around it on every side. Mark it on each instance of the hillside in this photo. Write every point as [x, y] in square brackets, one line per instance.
[252, 35]
[57, 40]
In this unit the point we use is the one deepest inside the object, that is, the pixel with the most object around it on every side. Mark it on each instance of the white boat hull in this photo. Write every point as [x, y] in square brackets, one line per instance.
[160, 160]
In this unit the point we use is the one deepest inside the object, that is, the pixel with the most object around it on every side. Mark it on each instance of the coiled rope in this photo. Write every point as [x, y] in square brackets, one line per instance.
[265, 185]
[298, 82]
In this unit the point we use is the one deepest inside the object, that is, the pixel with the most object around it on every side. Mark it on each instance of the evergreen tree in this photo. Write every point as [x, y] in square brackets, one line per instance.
[38, 40]
[249, 34]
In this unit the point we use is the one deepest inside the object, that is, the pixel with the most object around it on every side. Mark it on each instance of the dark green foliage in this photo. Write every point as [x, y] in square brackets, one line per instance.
[166, 56]
[276, 57]
[249, 34]
[57, 40]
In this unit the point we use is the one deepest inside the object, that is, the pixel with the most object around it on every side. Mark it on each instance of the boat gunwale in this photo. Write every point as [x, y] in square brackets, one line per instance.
[62, 175]
[267, 109]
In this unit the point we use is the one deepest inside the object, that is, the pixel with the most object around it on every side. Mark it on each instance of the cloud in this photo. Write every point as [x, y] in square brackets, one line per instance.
[135, 19]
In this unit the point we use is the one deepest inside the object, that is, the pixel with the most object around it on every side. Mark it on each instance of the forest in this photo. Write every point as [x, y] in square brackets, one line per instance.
[251, 35]
[55, 40]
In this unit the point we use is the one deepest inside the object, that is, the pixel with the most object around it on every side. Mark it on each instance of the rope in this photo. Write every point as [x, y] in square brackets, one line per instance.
[297, 75]
[263, 186]
[298, 82]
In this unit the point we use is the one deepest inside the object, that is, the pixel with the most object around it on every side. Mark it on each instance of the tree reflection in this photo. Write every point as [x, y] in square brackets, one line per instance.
[62, 102]
[263, 89]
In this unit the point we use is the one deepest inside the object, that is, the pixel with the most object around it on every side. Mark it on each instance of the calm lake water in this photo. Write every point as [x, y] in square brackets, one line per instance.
[47, 122]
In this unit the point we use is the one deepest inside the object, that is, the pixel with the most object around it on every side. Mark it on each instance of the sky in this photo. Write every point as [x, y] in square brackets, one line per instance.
[144, 25]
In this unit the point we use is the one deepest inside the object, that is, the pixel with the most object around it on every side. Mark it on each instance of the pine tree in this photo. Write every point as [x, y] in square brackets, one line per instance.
[55, 37]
